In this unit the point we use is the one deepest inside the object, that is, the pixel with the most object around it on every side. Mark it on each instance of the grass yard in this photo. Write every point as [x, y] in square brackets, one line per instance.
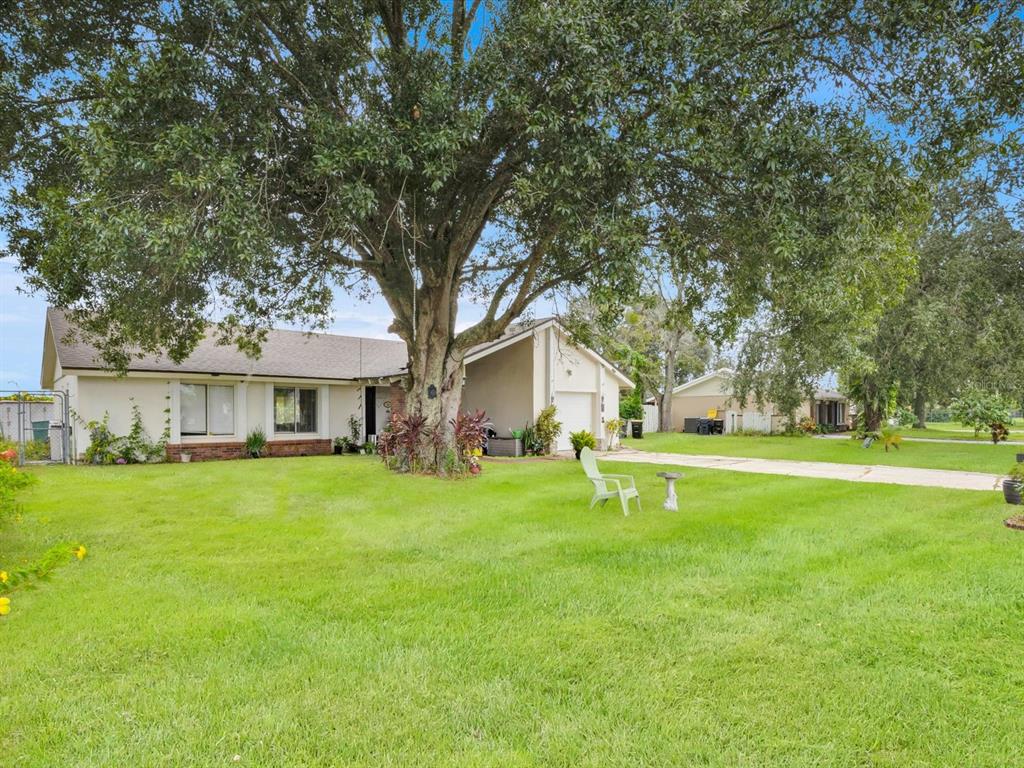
[321, 611]
[951, 430]
[996, 459]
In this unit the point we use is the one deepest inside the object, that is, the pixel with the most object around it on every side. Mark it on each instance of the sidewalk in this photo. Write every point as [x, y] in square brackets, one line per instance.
[857, 473]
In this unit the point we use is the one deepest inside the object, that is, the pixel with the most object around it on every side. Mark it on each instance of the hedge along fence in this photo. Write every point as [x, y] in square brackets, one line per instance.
[26, 576]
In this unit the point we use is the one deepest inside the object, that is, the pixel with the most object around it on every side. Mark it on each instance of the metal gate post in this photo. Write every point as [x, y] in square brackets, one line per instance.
[66, 432]
[21, 430]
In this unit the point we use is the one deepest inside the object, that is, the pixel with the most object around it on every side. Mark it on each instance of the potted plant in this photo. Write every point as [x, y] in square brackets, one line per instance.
[529, 440]
[340, 445]
[186, 458]
[546, 429]
[355, 431]
[582, 439]
[255, 442]
[614, 428]
[1014, 484]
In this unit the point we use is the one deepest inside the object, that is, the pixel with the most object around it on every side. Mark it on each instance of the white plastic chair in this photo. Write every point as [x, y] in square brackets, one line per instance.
[607, 486]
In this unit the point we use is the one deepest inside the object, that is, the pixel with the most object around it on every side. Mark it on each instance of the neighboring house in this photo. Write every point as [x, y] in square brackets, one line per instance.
[713, 391]
[304, 388]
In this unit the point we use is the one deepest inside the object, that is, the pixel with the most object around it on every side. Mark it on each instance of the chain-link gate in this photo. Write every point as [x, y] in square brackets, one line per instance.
[38, 423]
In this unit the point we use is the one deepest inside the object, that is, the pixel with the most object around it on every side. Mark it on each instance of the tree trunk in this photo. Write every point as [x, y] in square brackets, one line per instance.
[665, 397]
[434, 384]
[872, 418]
[920, 410]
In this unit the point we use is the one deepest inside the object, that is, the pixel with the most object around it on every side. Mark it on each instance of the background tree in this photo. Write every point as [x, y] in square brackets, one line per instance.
[980, 410]
[959, 324]
[172, 163]
[652, 339]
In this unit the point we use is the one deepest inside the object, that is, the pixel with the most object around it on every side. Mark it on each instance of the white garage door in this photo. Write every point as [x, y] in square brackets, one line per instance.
[576, 412]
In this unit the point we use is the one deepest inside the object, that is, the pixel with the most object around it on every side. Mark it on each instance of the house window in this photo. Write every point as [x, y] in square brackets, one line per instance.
[294, 409]
[207, 409]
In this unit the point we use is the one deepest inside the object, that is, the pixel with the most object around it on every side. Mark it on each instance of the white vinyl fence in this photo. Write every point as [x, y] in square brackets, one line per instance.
[755, 421]
[650, 418]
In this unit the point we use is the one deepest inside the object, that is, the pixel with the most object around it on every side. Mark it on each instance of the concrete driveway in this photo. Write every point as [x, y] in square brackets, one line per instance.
[856, 473]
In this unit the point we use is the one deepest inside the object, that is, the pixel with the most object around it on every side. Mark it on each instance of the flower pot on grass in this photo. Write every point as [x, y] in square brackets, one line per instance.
[580, 440]
[1012, 491]
[186, 458]
[1014, 483]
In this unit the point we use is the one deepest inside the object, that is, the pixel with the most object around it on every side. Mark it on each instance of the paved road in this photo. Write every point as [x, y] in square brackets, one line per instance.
[857, 473]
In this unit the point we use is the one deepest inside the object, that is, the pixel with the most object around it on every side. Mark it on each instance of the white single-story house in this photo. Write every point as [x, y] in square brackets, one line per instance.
[305, 387]
[713, 392]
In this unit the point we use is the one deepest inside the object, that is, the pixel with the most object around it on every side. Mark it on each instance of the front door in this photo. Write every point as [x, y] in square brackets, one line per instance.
[370, 410]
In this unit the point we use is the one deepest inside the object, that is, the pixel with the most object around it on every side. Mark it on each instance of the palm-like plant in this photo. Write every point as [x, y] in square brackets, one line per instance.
[891, 439]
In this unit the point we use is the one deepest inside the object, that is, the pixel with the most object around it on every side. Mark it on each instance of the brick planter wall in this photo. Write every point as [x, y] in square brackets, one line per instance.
[298, 448]
[220, 451]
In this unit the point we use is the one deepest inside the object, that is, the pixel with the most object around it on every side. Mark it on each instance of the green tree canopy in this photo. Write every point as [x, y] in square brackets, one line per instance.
[959, 325]
[172, 162]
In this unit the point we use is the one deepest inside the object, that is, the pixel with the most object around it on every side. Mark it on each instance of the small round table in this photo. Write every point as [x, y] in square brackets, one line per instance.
[671, 501]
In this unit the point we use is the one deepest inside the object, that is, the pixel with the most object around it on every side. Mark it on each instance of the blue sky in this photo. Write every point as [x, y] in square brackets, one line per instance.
[21, 332]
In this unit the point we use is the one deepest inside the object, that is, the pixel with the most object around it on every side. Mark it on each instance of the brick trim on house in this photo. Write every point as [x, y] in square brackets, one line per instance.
[236, 450]
[396, 394]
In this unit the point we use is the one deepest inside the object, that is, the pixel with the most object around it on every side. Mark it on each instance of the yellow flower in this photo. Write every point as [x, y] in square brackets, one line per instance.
[79, 551]
[5, 606]
[4, 577]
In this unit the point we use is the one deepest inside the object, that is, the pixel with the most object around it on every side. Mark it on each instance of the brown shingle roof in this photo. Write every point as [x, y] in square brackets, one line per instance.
[292, 354]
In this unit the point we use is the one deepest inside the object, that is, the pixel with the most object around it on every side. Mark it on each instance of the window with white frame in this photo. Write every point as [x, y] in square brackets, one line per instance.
[207, 409]
[294, 409]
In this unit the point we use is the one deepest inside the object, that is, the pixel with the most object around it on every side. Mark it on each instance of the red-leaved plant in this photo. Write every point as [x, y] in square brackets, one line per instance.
[397, 444]
[470, 431]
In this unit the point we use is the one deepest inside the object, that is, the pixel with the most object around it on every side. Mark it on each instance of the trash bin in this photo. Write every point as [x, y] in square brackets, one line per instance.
[56, 442]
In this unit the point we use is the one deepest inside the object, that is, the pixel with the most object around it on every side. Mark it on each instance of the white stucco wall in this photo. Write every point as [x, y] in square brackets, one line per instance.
[98, 395]
[610, 411]
[575, 370]
[255, 407]
[515, 383]
[715, 386]
[543, 383]
[346, 401]
[502, 385]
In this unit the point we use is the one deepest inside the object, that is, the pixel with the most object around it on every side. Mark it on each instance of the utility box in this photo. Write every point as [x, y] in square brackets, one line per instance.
[505, 446]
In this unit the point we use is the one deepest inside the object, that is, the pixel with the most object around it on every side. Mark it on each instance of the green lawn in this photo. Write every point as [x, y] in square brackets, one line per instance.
[951, 430]
[973, 458]
[321, 611]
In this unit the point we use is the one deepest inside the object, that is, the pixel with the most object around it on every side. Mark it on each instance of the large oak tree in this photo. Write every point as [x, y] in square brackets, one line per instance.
[173, 162]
